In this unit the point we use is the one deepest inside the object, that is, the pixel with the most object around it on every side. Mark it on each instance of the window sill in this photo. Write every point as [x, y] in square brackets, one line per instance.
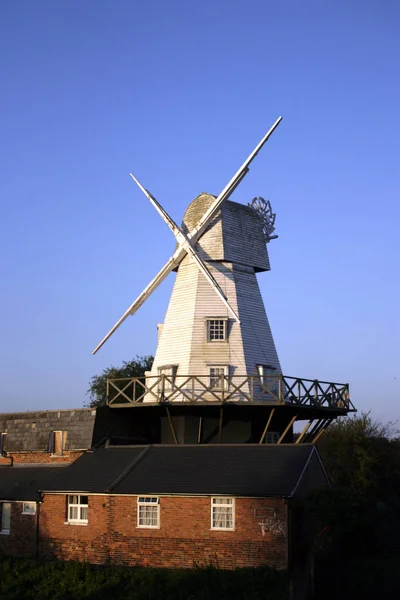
[148, 526]
[5, 532]
[79, 523]
[222, 529]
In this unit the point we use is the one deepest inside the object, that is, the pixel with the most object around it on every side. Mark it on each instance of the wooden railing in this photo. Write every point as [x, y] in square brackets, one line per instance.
[276, 389]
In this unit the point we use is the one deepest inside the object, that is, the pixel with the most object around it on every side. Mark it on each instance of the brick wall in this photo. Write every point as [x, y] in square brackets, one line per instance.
[41, 457]
[183, 540]
[21, 541]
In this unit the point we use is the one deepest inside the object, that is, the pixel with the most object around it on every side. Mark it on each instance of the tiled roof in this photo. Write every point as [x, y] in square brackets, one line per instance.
[23, 483]
[240, 470]
[29, 431]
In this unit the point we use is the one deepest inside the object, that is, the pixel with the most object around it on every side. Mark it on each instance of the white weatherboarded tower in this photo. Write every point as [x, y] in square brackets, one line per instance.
[200, 335]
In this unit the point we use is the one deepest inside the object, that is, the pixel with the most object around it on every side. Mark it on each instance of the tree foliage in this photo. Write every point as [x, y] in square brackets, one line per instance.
[98, 384]
[363, 455]
[359, 514]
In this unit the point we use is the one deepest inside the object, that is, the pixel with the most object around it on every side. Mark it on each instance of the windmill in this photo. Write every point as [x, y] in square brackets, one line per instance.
[186, 241]
[216, 345]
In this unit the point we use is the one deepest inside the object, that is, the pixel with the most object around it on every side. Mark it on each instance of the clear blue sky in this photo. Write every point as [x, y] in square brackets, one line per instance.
[179, 92]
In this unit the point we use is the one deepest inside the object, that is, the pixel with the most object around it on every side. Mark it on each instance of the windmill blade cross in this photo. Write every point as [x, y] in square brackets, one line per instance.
[185, 244]
[192, 237]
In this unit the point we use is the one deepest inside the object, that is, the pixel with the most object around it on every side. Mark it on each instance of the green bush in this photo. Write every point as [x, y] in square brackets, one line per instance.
[31, 579]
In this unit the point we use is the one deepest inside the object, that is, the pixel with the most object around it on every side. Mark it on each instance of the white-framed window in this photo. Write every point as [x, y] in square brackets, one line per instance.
[5, 517]
[266, 373]
[57, 442]
[148, 512]
[217, 329]
[78, 507]
[219, 377]
[29, 508]
[169, 380]
[223, 513]
[271, 437]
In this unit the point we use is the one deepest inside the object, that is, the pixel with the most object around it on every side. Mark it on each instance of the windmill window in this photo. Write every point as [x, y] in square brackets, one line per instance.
[268, 378]
[148, 513]
[78, 507]
[217, 330]
[223, 514]
[5, 517]
[219, 377]
[167, 382]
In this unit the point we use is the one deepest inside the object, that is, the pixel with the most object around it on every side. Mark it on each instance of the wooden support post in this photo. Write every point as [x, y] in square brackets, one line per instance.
[280, 390]
[317, 427]
[171, 425]
[287, 429]
[221, 416]
[200, 430]
[264, 433]
[322, 430]
[304, 431]
[319, 434]
[108, 392]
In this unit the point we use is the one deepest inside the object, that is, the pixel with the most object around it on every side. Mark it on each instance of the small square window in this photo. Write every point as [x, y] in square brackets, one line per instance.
[78, 509]
[29, 508]
[148, 512]
[223, 513]
[219, 377]
[5, 517]
[216, 330]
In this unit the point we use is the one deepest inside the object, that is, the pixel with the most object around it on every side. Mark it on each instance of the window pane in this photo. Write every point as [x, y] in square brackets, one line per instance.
[5, 516]
[216, 329]
[84, 500]
[29, 508]
[73, 513]
[84, 513]
[148, 516]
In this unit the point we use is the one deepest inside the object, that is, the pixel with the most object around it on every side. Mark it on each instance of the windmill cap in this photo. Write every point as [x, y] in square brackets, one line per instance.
[196, 210]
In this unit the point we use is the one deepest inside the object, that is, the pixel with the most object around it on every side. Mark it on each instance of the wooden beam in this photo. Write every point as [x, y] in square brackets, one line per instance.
[322, 431]
[314, 430]
[319, 434]
[264, 433]
[304, 431]
[171, 425]
[221, 417]
[287, 429]
[200, 430]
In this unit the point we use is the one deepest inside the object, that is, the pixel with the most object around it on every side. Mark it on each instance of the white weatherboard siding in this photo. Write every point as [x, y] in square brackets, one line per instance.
[183, 341]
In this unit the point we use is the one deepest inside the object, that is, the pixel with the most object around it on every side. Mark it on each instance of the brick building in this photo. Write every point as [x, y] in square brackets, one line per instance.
[163, 506]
